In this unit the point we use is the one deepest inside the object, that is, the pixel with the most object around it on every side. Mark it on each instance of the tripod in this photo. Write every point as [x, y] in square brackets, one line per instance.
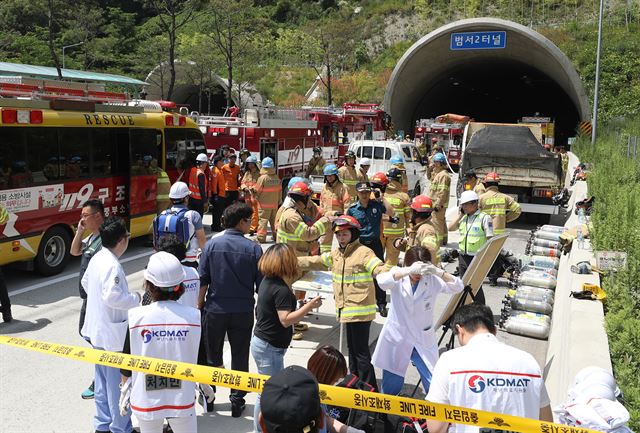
[448, 325]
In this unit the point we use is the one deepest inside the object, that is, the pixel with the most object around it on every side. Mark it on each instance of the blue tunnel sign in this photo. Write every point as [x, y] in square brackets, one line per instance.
[491, 40]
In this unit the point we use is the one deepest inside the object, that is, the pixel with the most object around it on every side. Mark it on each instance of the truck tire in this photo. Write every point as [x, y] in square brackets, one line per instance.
[54, 251]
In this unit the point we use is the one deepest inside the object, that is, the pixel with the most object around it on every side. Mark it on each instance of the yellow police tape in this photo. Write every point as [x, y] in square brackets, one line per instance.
[331, 395]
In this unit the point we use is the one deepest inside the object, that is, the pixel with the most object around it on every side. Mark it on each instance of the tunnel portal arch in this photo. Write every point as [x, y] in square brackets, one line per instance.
[530, 75]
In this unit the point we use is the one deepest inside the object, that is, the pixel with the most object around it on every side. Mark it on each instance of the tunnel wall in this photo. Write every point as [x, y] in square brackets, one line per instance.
[430, 59]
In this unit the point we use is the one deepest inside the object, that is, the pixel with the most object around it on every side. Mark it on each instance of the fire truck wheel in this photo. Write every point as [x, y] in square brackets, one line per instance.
[53, 253]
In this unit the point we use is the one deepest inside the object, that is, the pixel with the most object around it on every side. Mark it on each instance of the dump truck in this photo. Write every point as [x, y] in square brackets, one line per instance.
[530, 174]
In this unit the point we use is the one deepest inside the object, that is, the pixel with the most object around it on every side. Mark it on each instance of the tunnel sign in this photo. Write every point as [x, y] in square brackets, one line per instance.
[479, 40]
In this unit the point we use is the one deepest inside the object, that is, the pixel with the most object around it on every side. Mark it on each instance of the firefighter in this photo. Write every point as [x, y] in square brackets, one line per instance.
[502, 209]
[268, 191]
[430, 166]
[163, 185]
[399, 200]
[365, 164]
[248, 185]
[422, 231]
[472, 183]
[350, 176]
[231, 172]
[333, 198]
[244, 154]
[217, 199]
[397, 161]
[199, 185]
[439, 192]
[353, 267]
[316, 163]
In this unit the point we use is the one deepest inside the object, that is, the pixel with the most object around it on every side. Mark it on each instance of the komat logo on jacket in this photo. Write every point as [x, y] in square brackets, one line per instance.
[479, 383]
[163, 335]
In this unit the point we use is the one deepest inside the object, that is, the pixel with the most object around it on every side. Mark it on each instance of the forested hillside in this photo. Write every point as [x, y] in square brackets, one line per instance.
[282, 45]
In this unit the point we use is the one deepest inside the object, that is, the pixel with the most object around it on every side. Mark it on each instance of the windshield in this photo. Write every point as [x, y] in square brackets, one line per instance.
[411, 154]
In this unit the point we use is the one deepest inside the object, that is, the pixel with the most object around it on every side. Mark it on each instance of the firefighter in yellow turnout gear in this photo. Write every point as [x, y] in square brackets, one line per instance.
[422, 231]
[397, 161]
[333, 198]
[350, 176]
[353, 268]
[268, 192]
[439, 187]
[248, 187]
[502, 209]
[396, 228]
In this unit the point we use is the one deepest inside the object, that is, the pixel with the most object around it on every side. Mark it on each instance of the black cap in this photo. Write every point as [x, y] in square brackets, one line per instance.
[363, 187]
[290, 401]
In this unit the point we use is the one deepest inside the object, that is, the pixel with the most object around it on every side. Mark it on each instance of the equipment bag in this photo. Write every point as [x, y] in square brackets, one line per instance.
[171, 222]
[360, 419]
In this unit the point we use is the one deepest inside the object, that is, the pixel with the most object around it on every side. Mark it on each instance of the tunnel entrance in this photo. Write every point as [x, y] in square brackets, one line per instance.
[529, 75]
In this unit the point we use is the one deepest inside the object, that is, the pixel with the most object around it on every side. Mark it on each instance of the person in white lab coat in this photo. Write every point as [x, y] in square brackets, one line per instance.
[165, 329]
[408, 335]
[105, 325]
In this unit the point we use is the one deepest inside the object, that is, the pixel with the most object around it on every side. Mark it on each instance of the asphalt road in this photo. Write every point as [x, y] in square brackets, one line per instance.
[40, 393]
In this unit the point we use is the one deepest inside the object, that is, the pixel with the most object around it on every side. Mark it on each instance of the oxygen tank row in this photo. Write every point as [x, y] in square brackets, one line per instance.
[533, 301]
[525, 323]
[535, 278]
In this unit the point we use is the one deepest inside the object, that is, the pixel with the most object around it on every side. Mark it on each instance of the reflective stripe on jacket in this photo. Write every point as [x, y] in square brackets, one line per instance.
[268, 189]
[334, 197]
[439, 188]
[400, 203]
[300, 234]
[500, 207]
[353, 269]
[426, 235]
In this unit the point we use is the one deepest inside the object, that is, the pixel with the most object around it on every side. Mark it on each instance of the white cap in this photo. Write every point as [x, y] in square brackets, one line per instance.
[202, 157]
[365, 161]
[468, 196]
[179, 190]
[164, 270]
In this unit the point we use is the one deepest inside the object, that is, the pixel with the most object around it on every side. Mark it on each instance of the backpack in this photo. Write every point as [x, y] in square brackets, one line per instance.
[360, 419]
[172, 222]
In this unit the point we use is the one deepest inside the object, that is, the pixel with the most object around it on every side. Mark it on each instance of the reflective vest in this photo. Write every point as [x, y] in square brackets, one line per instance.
[163, 187]
[300, 234]
[194, 186]
[472, 237]
[171, 331]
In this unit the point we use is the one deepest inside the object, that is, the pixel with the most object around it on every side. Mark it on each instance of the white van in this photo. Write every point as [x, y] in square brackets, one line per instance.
[381, 151]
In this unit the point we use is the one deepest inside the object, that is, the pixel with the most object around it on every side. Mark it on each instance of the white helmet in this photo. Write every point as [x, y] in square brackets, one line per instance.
[179, 190]
[164, 270]
[468, 196]
[202, 157]
[365, 161]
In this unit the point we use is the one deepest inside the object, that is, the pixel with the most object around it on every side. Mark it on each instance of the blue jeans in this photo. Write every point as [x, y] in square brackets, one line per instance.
[392, 383]
[107, 396]
[269, 360]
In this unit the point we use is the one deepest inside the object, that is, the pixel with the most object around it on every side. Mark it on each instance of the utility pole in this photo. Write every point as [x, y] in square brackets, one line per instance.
[596, 94]
[69, 46]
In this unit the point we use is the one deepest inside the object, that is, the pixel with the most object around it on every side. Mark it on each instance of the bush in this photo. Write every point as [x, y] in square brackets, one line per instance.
[615, 181]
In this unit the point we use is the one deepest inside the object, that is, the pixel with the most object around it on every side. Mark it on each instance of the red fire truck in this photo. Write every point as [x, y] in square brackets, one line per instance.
[289, 135]
[447, 129]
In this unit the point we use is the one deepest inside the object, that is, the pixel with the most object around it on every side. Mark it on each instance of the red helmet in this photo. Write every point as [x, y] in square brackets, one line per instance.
[380, 179]
[492, 177]
[300, 188]
[345, 222]
[434, 140]
[422, 203]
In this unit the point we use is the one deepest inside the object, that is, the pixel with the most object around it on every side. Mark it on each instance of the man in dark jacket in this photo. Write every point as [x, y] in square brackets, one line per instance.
[229, 277]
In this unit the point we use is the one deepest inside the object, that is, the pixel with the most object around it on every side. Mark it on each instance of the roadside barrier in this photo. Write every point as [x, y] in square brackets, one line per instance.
[335, 396]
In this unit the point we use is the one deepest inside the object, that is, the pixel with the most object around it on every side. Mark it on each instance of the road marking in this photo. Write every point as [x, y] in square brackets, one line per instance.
[70, 276]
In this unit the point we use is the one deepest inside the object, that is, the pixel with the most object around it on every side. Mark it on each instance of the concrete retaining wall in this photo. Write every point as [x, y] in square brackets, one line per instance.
[578, 338]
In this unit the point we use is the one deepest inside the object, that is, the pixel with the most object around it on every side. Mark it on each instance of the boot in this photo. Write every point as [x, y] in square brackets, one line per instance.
[6, 315]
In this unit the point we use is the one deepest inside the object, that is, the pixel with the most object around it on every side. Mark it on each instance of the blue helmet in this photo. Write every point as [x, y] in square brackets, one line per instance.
[252, 159]
[439, 157]
[267, 162]
[396, 159]
[294, 180]
[330, 169]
